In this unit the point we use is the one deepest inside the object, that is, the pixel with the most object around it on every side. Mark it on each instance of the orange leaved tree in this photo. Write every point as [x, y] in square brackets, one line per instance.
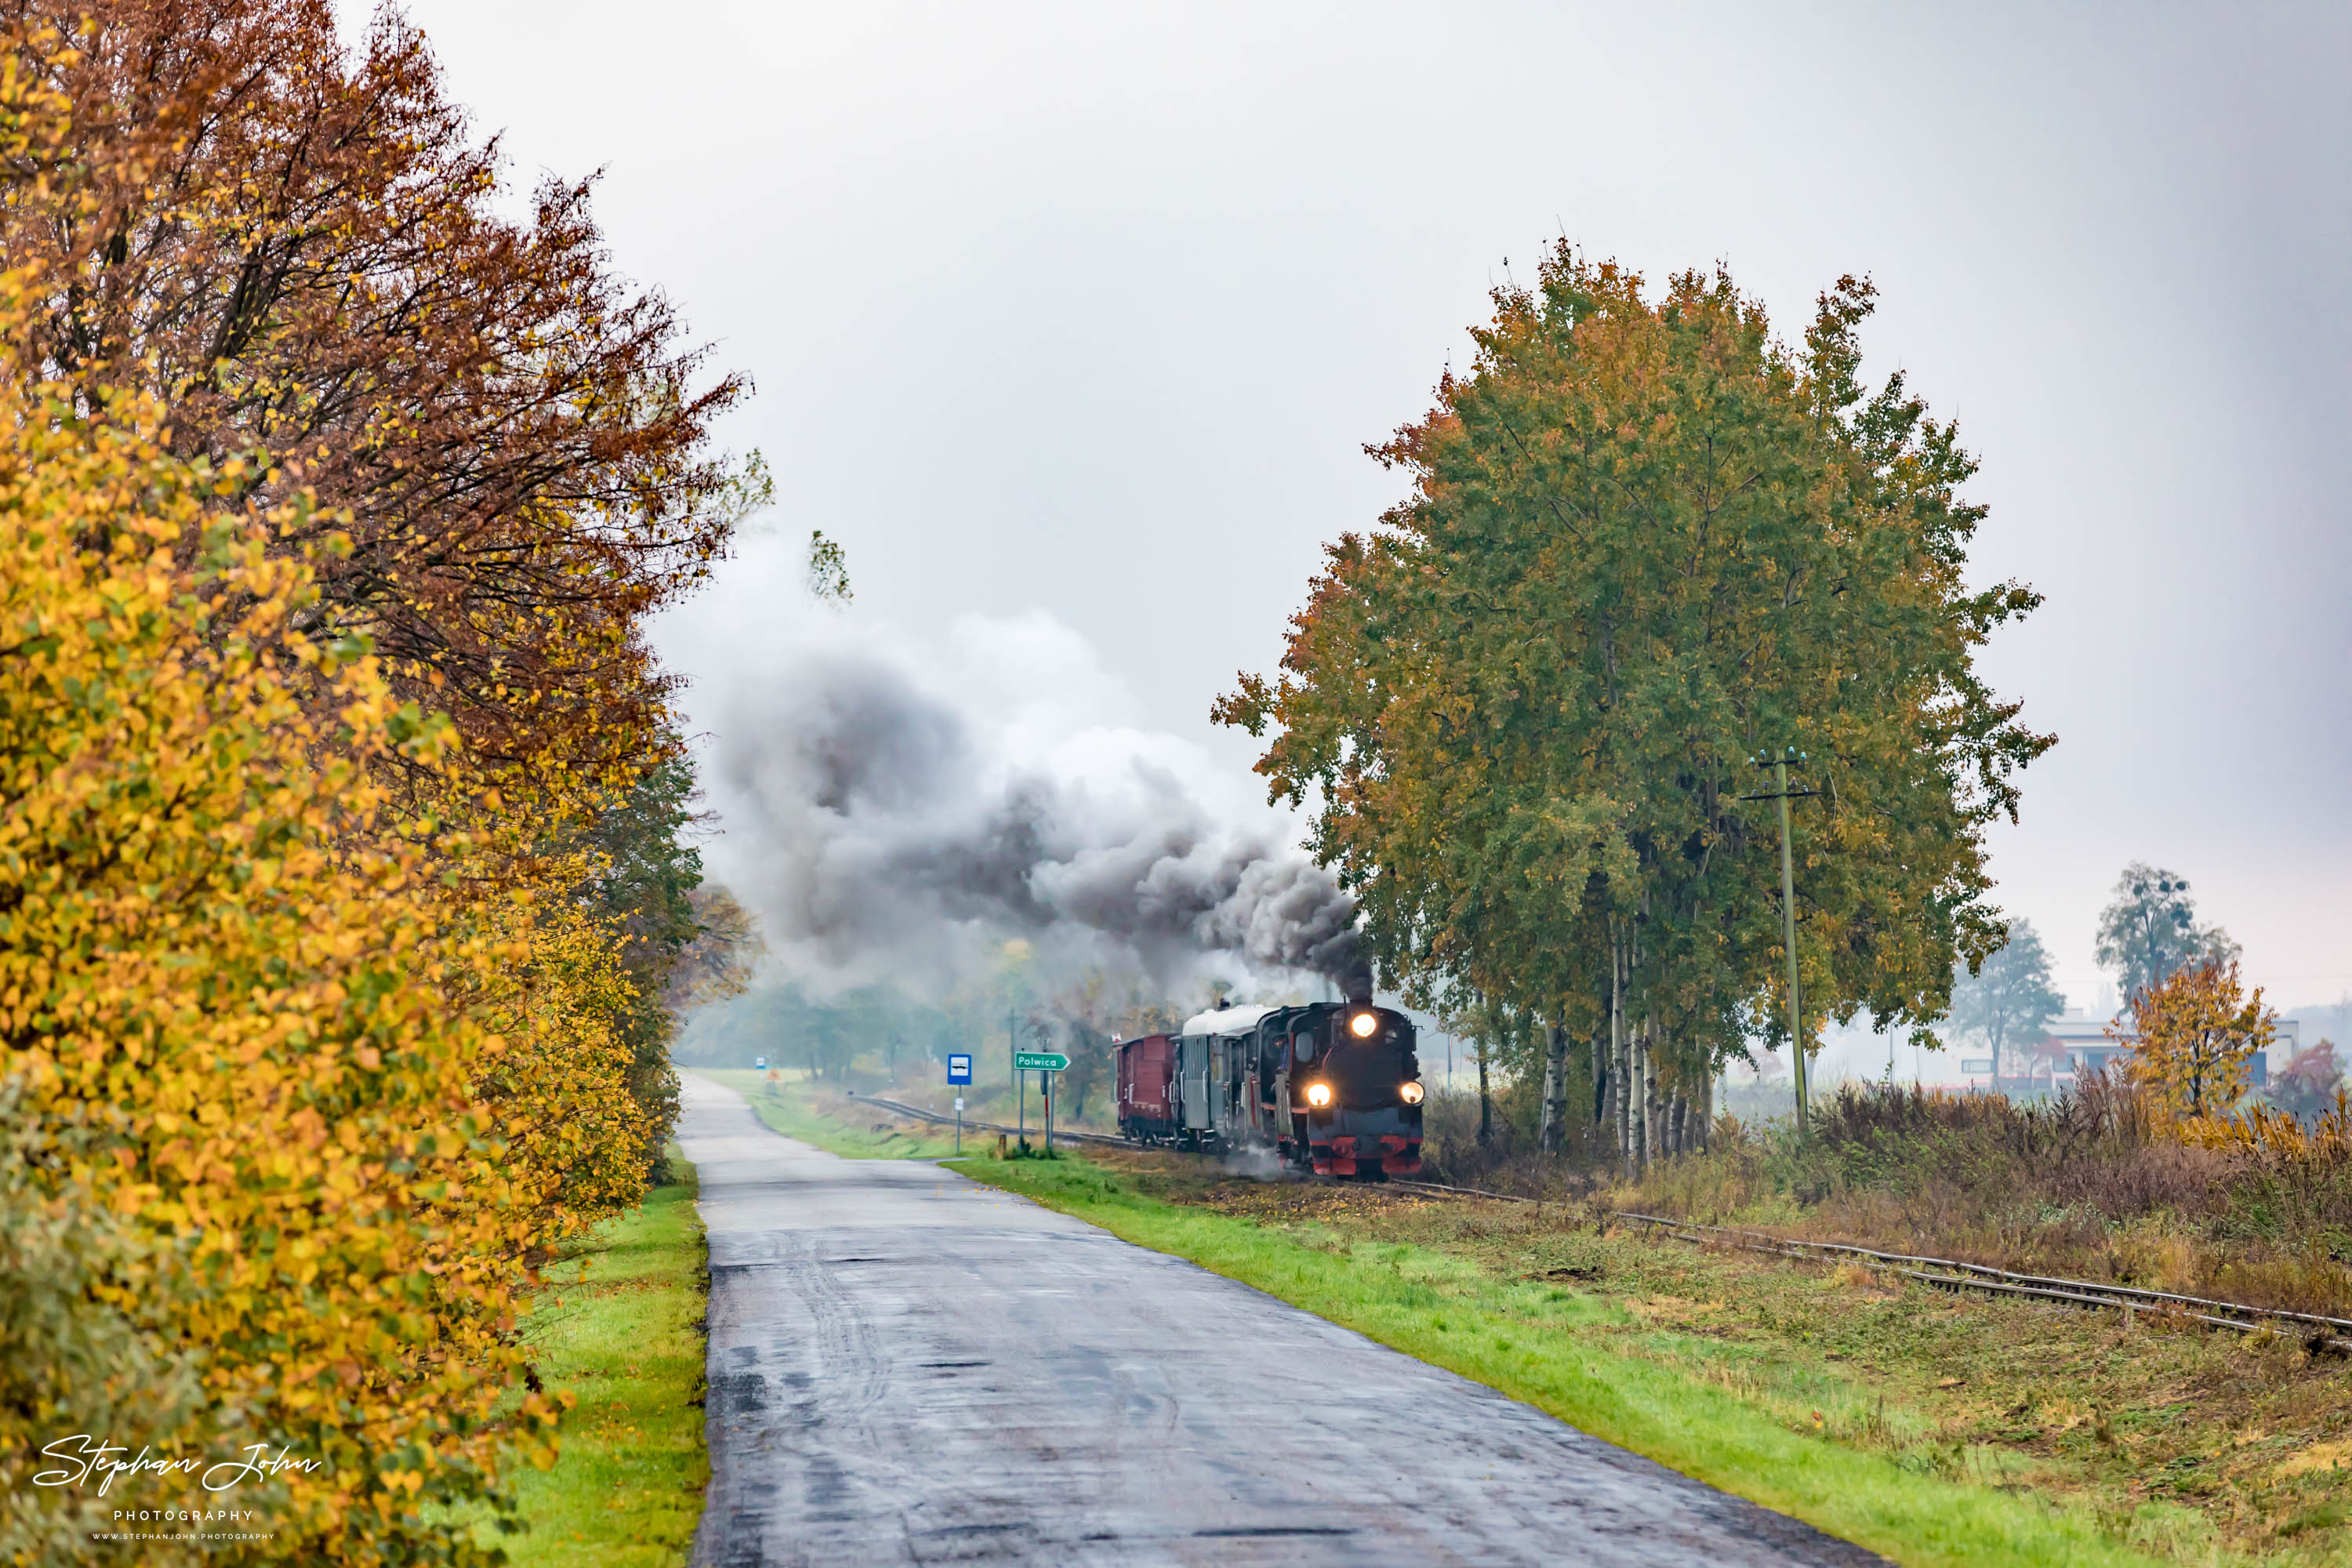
[300, 248]
[2198, 1030]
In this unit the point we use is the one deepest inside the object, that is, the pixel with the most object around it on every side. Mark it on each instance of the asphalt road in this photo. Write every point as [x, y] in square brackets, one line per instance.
[910, 1367]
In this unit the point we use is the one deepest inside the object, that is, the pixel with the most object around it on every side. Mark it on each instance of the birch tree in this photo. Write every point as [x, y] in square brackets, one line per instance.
[1644, 543]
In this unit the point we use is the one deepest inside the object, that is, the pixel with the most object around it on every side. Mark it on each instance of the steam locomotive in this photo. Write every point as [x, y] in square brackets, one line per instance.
[1331, 1086]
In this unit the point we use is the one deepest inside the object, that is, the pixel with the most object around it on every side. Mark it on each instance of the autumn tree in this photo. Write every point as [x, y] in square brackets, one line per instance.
[2195, 1031]
[642, 873]
[2309, 1083]
[1513, 1040]
[1645, 541]
[230, 1005]
[338, 772]
[2008, 1001]
[82, 1355]
[720, 958]
[302, 252]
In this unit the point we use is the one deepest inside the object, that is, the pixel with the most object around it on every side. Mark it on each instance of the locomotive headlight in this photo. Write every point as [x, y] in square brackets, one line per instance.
[1410, 1092]
[1318, 1095]
[1363, 1024]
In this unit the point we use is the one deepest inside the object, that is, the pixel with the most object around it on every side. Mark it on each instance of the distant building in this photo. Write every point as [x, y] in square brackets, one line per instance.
[2089, 1046]
[2085, 1040]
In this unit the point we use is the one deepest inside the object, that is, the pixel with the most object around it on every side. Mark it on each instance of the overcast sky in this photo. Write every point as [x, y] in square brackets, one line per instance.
[1089, 310]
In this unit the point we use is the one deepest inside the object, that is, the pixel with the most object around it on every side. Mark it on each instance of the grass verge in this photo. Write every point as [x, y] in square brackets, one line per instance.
[619, 1327]
[831, 1120]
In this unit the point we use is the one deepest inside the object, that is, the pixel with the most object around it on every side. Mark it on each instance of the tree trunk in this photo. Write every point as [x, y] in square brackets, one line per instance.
[1637, 1072]
[1555, 1099]
[1621, 1097]
[1644, 1096]
[1600, 1078]
[1649, 1097]
[1486, 1102]
[1618, 1051]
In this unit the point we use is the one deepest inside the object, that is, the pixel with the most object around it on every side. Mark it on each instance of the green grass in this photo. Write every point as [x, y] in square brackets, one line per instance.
[619, 1328]
[1553, 1347]
[832, 1121]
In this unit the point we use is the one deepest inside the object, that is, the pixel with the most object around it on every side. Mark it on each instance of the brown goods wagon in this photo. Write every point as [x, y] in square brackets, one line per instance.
[1147, 1074]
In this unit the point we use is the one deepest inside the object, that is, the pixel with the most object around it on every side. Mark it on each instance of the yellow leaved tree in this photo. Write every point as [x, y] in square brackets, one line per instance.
[559, 1092]
[323, 1012]
[2198, 1032]
[218, 970]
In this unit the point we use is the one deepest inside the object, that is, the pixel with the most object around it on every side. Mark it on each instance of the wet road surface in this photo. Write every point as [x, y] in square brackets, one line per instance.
[908, 1367]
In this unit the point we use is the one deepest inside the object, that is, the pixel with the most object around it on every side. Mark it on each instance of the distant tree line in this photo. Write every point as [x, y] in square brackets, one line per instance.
[826, 1035]
[880, 1033]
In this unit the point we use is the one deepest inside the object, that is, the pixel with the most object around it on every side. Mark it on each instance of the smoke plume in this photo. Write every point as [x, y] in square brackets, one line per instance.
[897, 811]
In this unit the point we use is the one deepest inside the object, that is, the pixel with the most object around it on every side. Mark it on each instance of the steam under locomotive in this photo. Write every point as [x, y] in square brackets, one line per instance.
[1330, 1086]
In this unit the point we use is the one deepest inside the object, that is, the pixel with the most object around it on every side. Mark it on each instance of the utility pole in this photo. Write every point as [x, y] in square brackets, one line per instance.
[1020, 1078]
[1788, 920]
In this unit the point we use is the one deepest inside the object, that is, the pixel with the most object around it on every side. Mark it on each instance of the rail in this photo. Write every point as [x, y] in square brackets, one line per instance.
[1061, 1134]
[2160, 1299]
[1946, 1273]
[1953, 1275]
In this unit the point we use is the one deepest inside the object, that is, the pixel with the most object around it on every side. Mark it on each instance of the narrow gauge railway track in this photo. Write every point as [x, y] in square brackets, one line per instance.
[2324, 1332]
[1061, 1134]
[2332, 1334]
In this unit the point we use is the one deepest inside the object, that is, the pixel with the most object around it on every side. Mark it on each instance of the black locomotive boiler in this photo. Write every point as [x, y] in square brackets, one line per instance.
[1334, 1086]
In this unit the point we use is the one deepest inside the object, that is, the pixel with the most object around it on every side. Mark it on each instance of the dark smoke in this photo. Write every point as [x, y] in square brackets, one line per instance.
[877, 822]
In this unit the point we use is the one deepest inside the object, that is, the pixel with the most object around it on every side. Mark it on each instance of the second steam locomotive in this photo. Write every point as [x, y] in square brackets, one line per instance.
[1334, 1086]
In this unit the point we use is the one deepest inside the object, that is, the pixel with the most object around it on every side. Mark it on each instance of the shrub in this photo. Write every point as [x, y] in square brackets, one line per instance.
[211, 951]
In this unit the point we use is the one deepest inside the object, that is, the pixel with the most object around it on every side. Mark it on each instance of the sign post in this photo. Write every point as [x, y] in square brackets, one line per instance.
[1042, 1062]
[959, 1071]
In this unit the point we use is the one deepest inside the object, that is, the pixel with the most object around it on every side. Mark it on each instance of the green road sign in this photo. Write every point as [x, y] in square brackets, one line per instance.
[1039, 1061]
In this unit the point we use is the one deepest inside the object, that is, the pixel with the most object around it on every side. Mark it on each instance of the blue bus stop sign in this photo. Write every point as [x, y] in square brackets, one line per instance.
[958, 1069]
[759, 1061]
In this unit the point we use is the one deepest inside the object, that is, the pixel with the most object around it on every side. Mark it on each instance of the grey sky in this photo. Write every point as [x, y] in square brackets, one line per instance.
[1089, 310]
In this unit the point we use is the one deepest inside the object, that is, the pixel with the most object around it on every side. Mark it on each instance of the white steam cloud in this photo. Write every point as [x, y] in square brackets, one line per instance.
[893, 809]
